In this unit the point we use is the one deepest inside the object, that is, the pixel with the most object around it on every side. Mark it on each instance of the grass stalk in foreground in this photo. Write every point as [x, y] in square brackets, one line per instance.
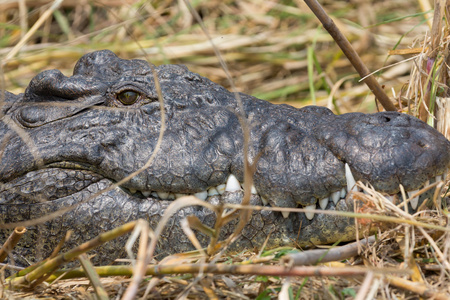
[93, 277]
[54, 263]
[225, 268]
[11, 242]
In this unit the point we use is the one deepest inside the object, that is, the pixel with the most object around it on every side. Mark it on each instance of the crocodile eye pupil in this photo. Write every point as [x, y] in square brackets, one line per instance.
[128, 97]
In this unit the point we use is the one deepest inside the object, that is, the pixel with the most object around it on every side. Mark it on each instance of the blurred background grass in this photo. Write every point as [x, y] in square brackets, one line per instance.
[275, 50]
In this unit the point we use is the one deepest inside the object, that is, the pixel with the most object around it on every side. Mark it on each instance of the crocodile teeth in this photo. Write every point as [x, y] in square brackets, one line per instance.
[171, 196]
[220, 188]
[163, 195]
[343, 193]
[414, 201]
[233, 184]
[264, 201]
[323, 203]
[390, 198]
[438, 178]
[336, 196]
[444, 176]
[252, 189]
[179, 195]
[146, 193]
[202, 195]
[133, 191]
[350, 179]
[212, 192]
[285, 214]
[309, 214]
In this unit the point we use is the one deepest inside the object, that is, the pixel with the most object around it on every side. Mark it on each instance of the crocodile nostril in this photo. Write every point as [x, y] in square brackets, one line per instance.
[387, 119]
[422, 144]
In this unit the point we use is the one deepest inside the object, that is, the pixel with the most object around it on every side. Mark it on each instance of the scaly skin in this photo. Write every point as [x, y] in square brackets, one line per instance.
[67, 137]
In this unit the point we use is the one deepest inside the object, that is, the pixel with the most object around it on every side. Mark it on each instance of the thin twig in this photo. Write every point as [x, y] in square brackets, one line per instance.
[351, 54]
[315, 256]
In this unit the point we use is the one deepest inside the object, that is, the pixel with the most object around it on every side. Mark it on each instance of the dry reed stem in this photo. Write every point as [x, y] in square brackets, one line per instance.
[415, 287]
[55, 252]
[235, 269]
[93, 277]
[365, 287]
[141, 263]
[54, 263]
[312, 257]
[12, 241]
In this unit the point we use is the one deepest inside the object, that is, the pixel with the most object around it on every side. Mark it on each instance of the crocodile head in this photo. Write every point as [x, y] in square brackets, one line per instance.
[66, 138]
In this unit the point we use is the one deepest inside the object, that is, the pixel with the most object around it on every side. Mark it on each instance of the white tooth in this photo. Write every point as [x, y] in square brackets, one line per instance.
[171, 196]
[438, 178]
[232, 184]
[411, 193]
[201, 195]
[336, 196]
[264, 201]
[444, 176]
[323, 203]
[427, 183]
[252, 189]
[285, 214]
[179, 195]
[163, 195]
[414, 201]
[212, 192]
[309, 214]
[132, 191]
[350, 179]
[220, 188]
[154, 194]
[146, 193]
[390, 198]
[343, 192]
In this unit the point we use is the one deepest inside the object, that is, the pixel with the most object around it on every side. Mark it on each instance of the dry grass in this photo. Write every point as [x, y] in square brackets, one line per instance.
[276, 51]
[265, 43]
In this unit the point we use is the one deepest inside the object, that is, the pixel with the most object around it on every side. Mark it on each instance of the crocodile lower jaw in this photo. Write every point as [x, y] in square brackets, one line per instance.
[233, 185]
[36, 186]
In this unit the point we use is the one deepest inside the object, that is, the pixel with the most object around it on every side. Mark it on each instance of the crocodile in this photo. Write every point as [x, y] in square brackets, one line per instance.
[67, 138]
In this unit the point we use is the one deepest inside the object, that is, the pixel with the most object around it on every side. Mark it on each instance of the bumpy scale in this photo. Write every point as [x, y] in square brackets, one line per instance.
[90, 130]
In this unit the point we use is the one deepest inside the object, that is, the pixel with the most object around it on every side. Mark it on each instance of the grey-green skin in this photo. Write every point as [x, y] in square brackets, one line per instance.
[66, 138]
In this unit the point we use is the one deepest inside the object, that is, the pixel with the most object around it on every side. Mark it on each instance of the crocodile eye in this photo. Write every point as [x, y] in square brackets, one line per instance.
[128, 97]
